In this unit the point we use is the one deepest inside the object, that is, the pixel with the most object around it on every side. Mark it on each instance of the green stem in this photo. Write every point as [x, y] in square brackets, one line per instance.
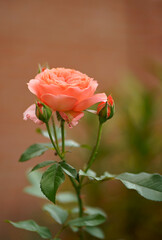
[89, 164]
[76, 186]
[63, 136]
[54, 131]
[80, 204]
[55, 147]
[60, 231]
[95, 149]
[77, 189]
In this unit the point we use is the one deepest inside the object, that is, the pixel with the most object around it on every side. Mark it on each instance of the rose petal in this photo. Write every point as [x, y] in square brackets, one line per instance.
[72, 117]
[33, 86]
[39, 88]
[76, 118]
[30, 114]
[81, 94]
[100, 97]
[61, 103]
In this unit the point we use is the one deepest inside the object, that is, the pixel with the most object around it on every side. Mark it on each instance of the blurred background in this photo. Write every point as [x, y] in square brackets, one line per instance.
[118, 43]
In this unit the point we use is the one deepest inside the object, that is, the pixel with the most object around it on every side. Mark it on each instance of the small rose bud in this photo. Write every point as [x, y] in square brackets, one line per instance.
[106, 110]
[42, 68]
[43, 112]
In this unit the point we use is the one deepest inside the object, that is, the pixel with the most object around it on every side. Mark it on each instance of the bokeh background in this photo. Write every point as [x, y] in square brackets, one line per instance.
[119, 44]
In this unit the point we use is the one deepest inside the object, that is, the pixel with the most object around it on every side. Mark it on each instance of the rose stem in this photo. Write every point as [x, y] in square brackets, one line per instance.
[63, 137]
[76, 186]
[49, 133]
[60, 231]
[54, 131]
[94, 151]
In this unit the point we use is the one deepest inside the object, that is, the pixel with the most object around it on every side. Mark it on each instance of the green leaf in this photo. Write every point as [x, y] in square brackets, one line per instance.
[147, 185]
[35, 150]
[34, 190]
[32, 226]
[94, 210]
[42, 164]
[68, 169]
[90, 211]
[57, 213]
[74, 229]
[92, 175]
[45, 132]
[52, 178]
[105, 176]
[71, 143]
[92, 220]
[95, 232]
[66, 197]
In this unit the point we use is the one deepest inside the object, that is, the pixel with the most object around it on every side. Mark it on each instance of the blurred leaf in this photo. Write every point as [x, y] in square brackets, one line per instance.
[57, 213]
[32, 226]
[45, 132]
[68, 169]
[86, 146]
[147, 185]
[75, 210]
[35, 150]
[95, 232]
[90, 211]
[91, 111]
[42, 164]
[92, 175]
[92, 220]
[34, 178]
[74, 229]
[105, 176]
[66, 197]
[147, 109]
[52, 178]
[71, 143]
[94, 210]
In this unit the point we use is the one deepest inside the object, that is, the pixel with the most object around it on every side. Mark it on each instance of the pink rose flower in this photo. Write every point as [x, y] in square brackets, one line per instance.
[67, 91]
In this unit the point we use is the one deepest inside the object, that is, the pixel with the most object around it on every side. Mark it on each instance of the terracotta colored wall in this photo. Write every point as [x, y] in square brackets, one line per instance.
[101, 38]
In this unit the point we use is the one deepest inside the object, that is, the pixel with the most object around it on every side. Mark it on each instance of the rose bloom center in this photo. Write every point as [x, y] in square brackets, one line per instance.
[65, 78]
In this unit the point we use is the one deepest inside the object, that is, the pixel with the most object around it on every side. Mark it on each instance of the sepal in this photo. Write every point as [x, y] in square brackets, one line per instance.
[43, 112]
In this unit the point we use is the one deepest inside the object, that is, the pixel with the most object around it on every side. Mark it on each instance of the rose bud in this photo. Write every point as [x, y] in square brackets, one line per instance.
[106, 110]
[43, 112]
[42, 68]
